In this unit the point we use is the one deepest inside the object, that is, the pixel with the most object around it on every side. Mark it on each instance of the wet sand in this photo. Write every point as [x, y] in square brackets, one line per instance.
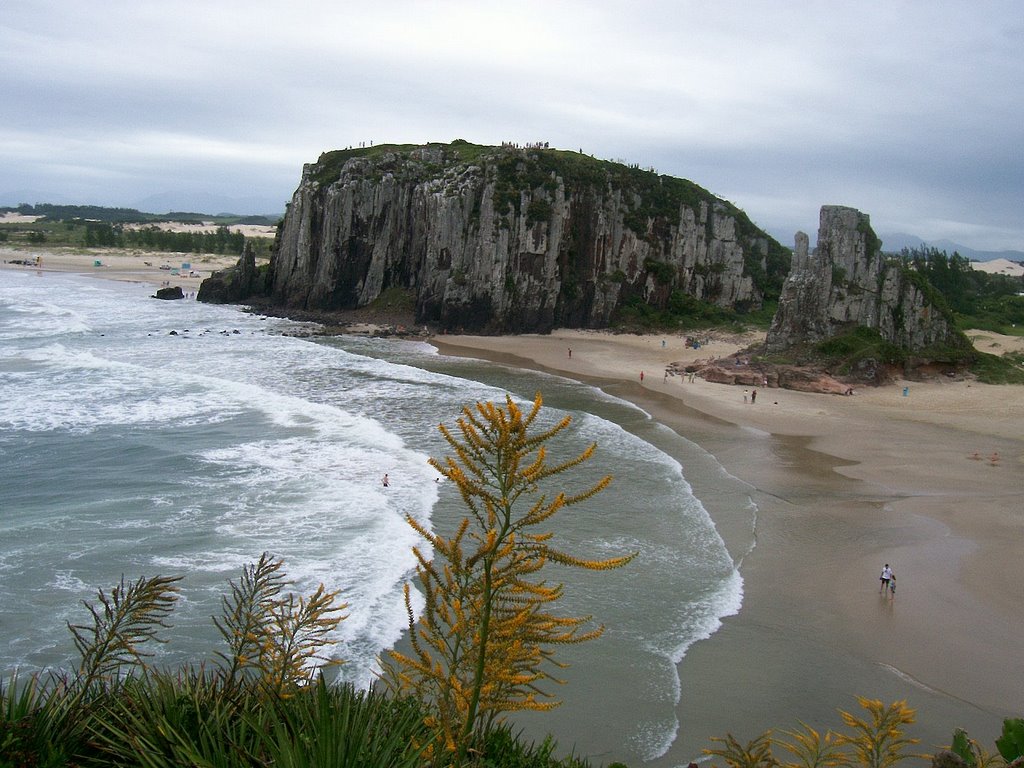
[843, 485]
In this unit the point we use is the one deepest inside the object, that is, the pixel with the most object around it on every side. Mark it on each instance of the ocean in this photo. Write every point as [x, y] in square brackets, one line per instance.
[142, 437]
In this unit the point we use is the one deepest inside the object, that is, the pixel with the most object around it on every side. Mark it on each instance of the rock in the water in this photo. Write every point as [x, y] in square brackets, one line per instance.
[174, 292]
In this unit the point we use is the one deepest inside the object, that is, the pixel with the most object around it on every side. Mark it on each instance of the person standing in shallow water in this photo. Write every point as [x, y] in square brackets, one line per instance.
[885, 578]
[384, 480]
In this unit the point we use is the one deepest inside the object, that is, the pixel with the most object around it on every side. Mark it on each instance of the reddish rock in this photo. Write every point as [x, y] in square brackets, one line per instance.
[787, 377]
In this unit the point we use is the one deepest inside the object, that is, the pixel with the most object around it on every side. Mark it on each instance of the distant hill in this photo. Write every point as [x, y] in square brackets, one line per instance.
[133, 215]
[210, 205]
[895, 242]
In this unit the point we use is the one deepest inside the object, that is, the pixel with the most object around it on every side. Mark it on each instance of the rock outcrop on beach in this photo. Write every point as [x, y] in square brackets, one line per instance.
[847, 282]
[508, 239]
[775, 377]
[169, 293]
[233, 285]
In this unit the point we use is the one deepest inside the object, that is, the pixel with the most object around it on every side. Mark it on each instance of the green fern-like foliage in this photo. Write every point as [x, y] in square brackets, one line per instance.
[878, 741]
[810, 748]
[124, 621]
[756, 753]
[248, 613]
[273, 636]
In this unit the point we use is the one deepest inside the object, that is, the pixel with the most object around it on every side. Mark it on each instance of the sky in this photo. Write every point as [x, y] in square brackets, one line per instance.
[912, 112]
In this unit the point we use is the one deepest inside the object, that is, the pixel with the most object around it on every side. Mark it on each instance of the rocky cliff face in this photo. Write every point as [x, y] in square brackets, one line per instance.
[846, 282]
[511, 240]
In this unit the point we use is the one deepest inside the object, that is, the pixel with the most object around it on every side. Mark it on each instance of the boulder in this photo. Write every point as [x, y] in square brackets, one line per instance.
[171, 293]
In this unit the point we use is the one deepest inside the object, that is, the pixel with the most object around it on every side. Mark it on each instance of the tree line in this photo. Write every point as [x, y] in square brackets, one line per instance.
[221, 240]
[978, 299]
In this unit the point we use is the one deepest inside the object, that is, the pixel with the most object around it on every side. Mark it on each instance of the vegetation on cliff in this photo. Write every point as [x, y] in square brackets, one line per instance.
[575, 237]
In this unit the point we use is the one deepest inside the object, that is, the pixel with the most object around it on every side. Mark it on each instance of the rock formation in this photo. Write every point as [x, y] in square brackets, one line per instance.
[847, 282]
[505, 239]
[169, 293]
[233, 285]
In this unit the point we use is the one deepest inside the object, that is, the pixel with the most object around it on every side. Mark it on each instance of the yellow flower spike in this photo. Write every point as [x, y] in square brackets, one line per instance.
[482, 646]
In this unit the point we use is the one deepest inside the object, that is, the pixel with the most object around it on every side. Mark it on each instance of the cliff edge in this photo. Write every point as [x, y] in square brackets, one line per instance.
[510, 239]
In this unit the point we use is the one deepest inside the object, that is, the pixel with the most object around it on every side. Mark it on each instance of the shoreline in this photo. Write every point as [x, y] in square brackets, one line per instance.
[842, 485]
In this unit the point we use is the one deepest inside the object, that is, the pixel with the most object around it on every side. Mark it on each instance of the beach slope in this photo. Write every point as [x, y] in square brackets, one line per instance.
[924, 476]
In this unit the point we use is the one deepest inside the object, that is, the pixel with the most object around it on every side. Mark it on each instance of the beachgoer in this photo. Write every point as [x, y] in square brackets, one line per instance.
[753, 397]
[885, 577]
[384, 480]
[892, 586]
[994, 458]
[570, 353]
[641, 377]
[745, 395]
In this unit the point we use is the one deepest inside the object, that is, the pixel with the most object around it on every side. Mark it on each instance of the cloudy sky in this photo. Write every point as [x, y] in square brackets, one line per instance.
[912, 112]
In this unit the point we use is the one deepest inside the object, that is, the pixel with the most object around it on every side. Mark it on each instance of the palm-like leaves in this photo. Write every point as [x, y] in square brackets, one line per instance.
[279, 637]
[810, 749]
[124, 621]
[878, 741]
[754, 754]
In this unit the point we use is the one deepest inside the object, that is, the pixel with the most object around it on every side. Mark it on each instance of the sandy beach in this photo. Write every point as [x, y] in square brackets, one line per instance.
[844, 485]
[156, 268]
[929, 481]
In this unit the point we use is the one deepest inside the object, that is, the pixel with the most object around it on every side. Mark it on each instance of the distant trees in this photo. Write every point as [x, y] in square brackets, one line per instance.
[979, 299]
[221, 240]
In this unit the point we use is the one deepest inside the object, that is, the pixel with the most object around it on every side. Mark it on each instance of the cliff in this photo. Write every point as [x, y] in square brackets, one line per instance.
[847, 282]
[510, 240]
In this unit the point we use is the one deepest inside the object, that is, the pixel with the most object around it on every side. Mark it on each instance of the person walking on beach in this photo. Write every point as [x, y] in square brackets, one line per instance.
[753, 397]
[892, 585]
[384, 480]
[885, 578]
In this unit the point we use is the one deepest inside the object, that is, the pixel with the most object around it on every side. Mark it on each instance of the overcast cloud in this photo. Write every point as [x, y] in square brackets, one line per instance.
[909, 111]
